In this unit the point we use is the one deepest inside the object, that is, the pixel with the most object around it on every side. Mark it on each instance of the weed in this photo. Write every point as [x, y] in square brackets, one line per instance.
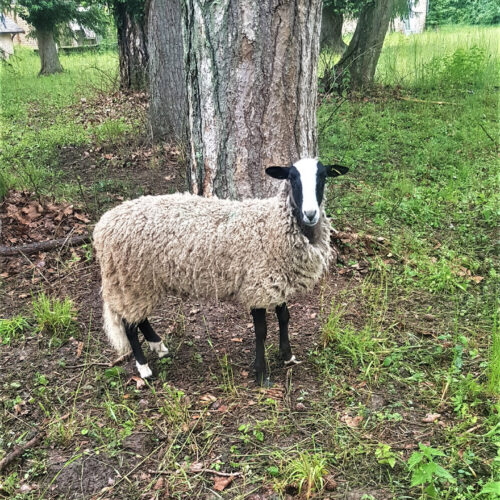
[55, 318]
[12, 329]
[494, 362]
[425, 471]
[307, 470]
[385, 455]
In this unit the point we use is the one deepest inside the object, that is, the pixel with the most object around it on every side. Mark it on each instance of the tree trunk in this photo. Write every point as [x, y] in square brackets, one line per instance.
[48, 53]
[361, 57]
[132, 47]
[331, 30]
[167, 78]
[251, 88]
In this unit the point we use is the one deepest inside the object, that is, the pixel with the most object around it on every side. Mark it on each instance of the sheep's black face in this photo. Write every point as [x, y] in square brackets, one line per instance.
[307, 178]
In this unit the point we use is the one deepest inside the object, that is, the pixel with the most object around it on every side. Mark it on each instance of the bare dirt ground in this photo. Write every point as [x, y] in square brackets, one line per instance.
[202, 428]
[212, 349]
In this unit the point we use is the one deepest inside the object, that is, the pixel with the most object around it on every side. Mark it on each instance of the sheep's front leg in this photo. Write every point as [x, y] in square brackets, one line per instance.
[155, 342]
[140, 359]
[285, 349]
[259, 321]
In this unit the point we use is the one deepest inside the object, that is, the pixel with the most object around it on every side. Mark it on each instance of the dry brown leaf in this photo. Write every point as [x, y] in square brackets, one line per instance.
[196, 467]
[81, 217]
[159, 484]
[221, 482]
[431, 417]
[352, 422]
[477, 279]
[139, 382]
[208, 399]
[79, 350]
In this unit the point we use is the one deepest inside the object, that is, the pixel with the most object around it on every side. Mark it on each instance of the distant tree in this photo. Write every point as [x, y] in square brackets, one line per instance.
[48, 17]
[443, 12]
[131, 17]
[334, 12]
[359, 61]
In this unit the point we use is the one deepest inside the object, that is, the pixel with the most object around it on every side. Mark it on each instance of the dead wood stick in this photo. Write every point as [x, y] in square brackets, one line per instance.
[106, 365]
[198, 471]
[41, 246]
[19, 450]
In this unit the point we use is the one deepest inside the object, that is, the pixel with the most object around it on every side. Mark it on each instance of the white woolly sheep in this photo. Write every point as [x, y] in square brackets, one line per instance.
[259, 252]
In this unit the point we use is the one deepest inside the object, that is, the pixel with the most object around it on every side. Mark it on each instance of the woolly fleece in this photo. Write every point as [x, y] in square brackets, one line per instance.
[251, 251]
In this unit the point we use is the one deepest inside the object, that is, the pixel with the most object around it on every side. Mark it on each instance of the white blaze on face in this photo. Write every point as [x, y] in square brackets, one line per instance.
[308, 169]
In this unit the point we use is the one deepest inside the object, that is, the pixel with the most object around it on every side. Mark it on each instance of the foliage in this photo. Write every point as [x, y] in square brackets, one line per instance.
[353, 8]
[307, 470]
[443, 12]
[13, 328]
[54, 317]
[425, 471]
[49, 15]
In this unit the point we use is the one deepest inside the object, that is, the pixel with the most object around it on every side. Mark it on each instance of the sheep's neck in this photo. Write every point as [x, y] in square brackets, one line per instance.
[312, 233]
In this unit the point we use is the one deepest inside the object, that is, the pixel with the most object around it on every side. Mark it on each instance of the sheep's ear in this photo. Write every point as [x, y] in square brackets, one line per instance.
[278, 172]
[335, 170]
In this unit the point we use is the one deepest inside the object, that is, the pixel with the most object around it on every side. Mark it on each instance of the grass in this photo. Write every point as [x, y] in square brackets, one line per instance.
[411, 332]
[54, 317]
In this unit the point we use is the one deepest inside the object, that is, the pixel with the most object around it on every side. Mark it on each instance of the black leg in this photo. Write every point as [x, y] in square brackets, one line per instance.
[283, 318]
[259, 321]
[147, 330]
[140, 359]
[155, 342]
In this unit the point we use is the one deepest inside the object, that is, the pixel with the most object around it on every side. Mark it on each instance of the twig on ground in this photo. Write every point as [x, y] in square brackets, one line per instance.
[198, 471]
[41, 246]
[19, 450]
[106, 365]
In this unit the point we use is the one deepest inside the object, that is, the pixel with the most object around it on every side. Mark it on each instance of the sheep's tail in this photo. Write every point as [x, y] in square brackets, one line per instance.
[115, 330]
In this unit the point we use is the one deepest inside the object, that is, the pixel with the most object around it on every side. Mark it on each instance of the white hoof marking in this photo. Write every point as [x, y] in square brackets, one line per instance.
[292, 361]
[160, 348]
[144, 370]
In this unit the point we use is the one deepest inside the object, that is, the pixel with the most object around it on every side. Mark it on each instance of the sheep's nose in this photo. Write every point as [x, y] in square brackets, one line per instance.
[310, 214]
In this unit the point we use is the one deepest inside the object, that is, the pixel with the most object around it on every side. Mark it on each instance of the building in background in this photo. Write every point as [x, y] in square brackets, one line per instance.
[8, 31]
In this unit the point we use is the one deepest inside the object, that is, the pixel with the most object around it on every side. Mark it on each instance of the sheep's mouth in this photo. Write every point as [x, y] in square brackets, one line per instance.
[310, 223]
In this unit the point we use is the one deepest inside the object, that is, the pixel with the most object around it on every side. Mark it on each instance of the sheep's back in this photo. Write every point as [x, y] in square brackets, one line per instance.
[185, 244]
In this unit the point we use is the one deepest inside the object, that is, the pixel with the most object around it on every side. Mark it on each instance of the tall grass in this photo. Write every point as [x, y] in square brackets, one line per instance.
[448, 58]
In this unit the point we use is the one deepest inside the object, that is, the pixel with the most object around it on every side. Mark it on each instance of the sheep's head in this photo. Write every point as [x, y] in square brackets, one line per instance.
[307, 179]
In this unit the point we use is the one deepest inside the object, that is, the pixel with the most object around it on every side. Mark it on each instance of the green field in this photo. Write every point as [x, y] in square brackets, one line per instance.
[399, 389]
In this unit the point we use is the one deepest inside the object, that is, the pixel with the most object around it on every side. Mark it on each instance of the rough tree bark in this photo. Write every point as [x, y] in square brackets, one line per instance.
[251, 88]
[132, 46]
[362, 54]
[331, 30]
[167, 81]
[47, 49]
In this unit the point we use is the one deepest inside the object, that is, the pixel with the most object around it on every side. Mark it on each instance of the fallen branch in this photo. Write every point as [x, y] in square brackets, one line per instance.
[42, 246]
[106, 365]
[198, 471]
[19, 450]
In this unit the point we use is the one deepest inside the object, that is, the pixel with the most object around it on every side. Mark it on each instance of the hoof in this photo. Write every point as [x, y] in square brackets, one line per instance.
[144, 370]
[264, 381]
[160, 348]
[292, 361]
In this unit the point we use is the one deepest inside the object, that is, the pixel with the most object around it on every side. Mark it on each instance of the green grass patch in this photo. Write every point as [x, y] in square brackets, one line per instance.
[54, 317]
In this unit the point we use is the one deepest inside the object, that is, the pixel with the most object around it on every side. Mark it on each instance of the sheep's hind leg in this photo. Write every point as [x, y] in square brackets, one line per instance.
[140, 359]
[285, 349]
[259, 321]
[155, 342]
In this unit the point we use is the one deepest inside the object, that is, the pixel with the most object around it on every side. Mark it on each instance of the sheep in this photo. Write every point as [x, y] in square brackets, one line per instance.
[258, 252]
